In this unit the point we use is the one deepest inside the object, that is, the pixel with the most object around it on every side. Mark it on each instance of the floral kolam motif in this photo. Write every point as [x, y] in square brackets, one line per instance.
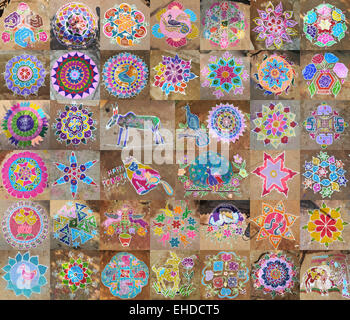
[175, 24]
[325, 25]
[25, 124]
[25, 225]
[224, 24]
[125, 25]
[24, 175]
[75, 25]
[75, 75]
[125, 75]
[325, 74]
[24, 75]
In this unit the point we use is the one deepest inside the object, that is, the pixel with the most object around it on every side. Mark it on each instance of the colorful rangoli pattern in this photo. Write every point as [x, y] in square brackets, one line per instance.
[275, 274]
[274, 124]
[325, 225]
[24, 27]
[325, 74]
[175, 25]
[25, 124]
[324, 174]
[25, 225]
[274, 174]
[24, 274]
[224, 74]
[275, 224]
[125, 275]
[225, 275]
[75, 75]
[175, 228]
[213, 173]
[75, 25]
[325, 125]
[275, 75]
[275, 26]
[224, 24]
[73, 173]
[173, 75]
[226, 123]
[75, 125]
[325, 25]
[24, 175]
[125, 75]
[125, 25]
[74, 225]
[24, 75]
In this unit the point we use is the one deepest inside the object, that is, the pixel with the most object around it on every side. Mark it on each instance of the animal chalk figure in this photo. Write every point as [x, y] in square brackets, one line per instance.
[169, 274]
[131, 120]
[24, 281]
[318, 278]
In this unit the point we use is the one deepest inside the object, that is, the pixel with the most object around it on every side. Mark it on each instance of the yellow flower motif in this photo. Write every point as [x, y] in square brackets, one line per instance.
[160, 68]
[335, 186]
[141, 231]
[315, 161]
[110, 230]
[158, 231]
[336, 16]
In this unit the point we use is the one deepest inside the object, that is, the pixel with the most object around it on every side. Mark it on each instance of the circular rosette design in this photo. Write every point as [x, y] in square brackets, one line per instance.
[24, 75]
[125, 25]
[275, 75]
[75, 125]
[75, 25]
[25, 124]
[75, 75]
[24, 175]
[125, 275]
[325, 74]
[25, 225]
[224, 24]
[274, 124]
[226, 123]
[325, 25]
[24, 274]
[175, 23]
[275, 274]
[125, 75]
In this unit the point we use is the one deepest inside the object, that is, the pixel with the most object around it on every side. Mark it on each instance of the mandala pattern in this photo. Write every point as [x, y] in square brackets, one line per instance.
[176, 25]
[173, 74]
[325, 75]
[225, 275]
[25, 225]
[226, 123]
[125, 25]
[25, 124]
[275, 274]
[224, 74]
[75, 173]
[275, 26]
[125, 75]
[74, 225]
[324, 175]
[275, 224]
[24, 275]
[224, 24]
[24, 75]
[75, 75]
[275, 75]
[211, 172]
[325, 25]
[274, 174]
[325, 125]
[226, 224]
[274, 124]
[75, 25]
[75, 125]
[325, 225]
[23, 27]
[176, 228]
[24, 175]
[125, 275]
